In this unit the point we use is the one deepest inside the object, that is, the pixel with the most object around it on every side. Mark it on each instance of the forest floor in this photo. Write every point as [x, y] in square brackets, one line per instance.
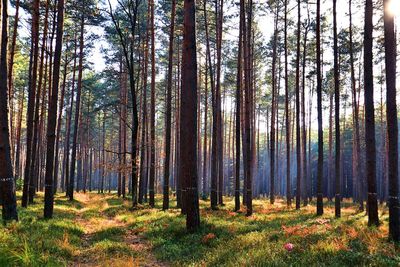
[102, 230]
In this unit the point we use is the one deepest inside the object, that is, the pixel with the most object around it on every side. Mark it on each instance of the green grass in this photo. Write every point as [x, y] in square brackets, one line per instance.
[104, 230]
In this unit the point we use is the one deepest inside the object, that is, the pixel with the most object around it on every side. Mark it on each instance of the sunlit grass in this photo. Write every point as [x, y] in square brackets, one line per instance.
[104, 230]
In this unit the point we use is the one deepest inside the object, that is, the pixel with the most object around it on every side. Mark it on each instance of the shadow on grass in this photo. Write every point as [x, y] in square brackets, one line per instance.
[68, 203]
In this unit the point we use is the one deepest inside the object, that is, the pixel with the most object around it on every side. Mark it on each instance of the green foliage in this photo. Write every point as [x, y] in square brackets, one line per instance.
[102, 229]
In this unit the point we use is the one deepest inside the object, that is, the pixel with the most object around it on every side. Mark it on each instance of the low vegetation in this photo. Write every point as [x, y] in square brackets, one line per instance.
[103, 230]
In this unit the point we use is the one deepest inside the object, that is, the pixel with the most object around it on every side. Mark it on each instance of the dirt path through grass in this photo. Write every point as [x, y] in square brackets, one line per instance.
[108, 240]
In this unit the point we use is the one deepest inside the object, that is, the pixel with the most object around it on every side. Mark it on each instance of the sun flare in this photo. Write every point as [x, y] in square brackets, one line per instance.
[394, 7]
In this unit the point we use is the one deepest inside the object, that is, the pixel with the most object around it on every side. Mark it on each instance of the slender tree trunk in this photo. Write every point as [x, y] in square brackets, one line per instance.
[169, 110]
[310, 183]
[37, 128]
[51, 123]
[238, 107]
[17, 155]
[69, 119]
[77, 108]
[188, 129]
[305, 174]
[7, 184]
[274, 107]
[320, 209]
[59, 122]
[391, 111]
[10, 78]
[152, 109]
[120, 122]
[330, 145]
[298, 144]
[370, 148]
[357, 144]
[337, 115]
[103, 154]
[248, 110]
[33, 64]
[143, 154]
[219, 9]
[214, 158]
[287, 119]
[205, 151]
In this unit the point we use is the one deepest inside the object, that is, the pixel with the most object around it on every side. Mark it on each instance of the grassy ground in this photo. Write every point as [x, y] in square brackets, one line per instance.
[102, 230]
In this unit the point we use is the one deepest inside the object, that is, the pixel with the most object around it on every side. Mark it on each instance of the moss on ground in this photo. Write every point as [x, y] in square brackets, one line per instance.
[103, 230]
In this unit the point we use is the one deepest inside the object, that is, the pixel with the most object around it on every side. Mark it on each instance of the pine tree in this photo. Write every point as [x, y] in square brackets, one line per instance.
[370, 148]
[7, 186]
[188, 124]
[169, 110]
[391, 111]
[51, 128]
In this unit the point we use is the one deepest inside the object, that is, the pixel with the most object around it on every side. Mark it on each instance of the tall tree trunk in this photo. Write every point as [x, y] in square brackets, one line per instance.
[152, 109]
[320, 209]
[357, 144]
[120, 122]
[103, 154]
[17, 155]
[238, 107]
[298, 144]
[59, 121]
[188, 129]
[52, 115]
[337, 115]
[370, 116]
[305, 173]
[248, 109]
[330, 145]
[310, 183]
[10, 77]
[220, 164]
[32, 78]
[77, 107]
[169, 110]
[214, 158]
[391, 111]
[274, 107]
[69, 119]
[143, 154]
[37, 124]
[7, 184]
[205, 151]
[287, 119]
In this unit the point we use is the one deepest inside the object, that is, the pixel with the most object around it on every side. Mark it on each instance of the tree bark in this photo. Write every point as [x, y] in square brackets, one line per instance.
[239, 77]
[7, 183]
[52, 115]
[248, 110]
[169, 110]
[220, 164]
[298, 144]
[287, 119]
[10, 77]
[37, 124]
[320, 209]
[143, 154]
[273, 109]
[152, 109]
[391, 111]
[370, 148]
[214, 145]
[33, 62]
[188, 127]
[305, 173]
[77, 107]
[337, 115]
